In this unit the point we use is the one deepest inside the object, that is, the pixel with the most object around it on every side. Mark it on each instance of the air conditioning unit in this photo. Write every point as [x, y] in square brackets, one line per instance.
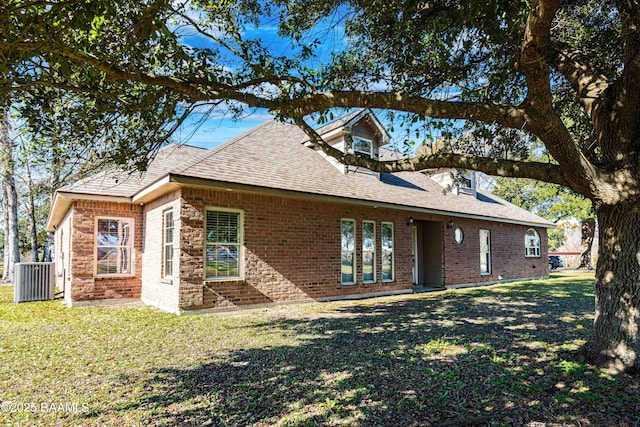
[34, 281]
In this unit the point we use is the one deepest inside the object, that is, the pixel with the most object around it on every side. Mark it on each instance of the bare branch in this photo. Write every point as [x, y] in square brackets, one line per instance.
[585, 79]
[534, 51]
[514, 117]
[497, 167]
[208, 35]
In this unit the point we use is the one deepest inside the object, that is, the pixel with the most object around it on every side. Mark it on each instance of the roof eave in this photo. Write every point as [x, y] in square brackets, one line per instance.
[63, 200]
[159, 188]
[386, 136]
[346, 126]
[184, 180]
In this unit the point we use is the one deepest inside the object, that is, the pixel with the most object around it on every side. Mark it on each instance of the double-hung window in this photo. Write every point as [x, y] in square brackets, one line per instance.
[485, 252]
[362, 146]
[368, 251]
[114, 246]
[348, 251]
[532, 243]
[387, 251]
[223, 243]
[167, 264]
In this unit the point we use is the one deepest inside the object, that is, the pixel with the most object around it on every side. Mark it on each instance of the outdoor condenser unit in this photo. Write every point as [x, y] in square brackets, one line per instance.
[34, 281]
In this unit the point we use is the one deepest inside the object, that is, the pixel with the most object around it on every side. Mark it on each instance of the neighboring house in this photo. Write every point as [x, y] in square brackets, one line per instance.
[266, 218]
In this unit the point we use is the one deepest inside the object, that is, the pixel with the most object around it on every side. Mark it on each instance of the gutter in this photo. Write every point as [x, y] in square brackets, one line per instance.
[63, 200]
[188, 181]
[170, 182]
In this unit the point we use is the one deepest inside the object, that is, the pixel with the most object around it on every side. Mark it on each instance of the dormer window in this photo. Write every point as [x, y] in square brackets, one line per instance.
[362, 146]
[359, 133]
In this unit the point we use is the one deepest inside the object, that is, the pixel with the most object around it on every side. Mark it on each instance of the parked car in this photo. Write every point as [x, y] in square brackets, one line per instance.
[554, 262]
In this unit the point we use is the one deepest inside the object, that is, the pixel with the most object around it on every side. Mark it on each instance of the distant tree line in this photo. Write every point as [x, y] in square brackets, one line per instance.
[40, 150]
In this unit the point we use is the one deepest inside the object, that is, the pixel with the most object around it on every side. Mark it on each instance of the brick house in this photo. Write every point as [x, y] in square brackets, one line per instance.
[266, 218]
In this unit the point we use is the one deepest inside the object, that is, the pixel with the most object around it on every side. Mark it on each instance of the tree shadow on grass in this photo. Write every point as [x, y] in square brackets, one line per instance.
[490, 359]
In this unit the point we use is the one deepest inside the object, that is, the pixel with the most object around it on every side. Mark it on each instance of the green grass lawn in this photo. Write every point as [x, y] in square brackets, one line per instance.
[497, 356]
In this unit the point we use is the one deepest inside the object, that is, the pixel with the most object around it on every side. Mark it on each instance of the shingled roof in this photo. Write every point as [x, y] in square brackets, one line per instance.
[273, 157]
[119, 183]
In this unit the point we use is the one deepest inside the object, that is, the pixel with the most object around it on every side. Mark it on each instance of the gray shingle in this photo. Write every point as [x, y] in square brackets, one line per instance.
[114, 182]
[273, 156]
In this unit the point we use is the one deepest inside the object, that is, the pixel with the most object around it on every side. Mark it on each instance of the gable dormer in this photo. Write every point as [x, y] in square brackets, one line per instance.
[459, 182]
[360, 132]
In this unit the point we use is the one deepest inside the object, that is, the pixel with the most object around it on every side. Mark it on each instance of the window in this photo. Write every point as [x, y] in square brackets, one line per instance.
[362, 146]
[347, 258]
[485, 252]
[168, 244]
[114, 246]
[532, 243]
[223, 240]
[387, 251]
[368, 251]
[458, 235]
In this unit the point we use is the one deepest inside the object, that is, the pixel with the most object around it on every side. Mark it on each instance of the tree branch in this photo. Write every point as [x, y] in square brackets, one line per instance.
[629, 11]
[585, 79]
[547, 123]
[70, 88]
[533, 54]
[497, 167]
[197, 89]
[627, 102]
[514, 117]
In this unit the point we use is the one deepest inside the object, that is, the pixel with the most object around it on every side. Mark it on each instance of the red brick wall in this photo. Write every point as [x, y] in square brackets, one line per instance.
[292, 250]
[84, 283]
[508, 259]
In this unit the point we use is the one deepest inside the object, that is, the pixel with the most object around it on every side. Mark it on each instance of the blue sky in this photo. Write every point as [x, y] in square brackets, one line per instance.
[210, 129]
[216, 128]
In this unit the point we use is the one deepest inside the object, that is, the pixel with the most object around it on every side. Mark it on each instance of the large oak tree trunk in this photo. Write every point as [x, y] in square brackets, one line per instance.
[615, 340]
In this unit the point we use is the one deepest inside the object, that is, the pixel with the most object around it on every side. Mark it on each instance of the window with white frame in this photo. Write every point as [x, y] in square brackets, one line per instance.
[532, 243]
[362, 145]
[114, 246]
[485, 252]
[387, 251]
[223, 243]
[348, 249]
[368, 251]
[167, 253]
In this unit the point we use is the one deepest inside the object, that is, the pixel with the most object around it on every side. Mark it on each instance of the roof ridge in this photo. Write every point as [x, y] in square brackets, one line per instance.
[225, 145]
[173, 146]
[120, 174]
[179, 145]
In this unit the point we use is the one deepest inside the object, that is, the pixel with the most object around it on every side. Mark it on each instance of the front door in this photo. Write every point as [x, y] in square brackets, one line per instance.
[427, 253]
